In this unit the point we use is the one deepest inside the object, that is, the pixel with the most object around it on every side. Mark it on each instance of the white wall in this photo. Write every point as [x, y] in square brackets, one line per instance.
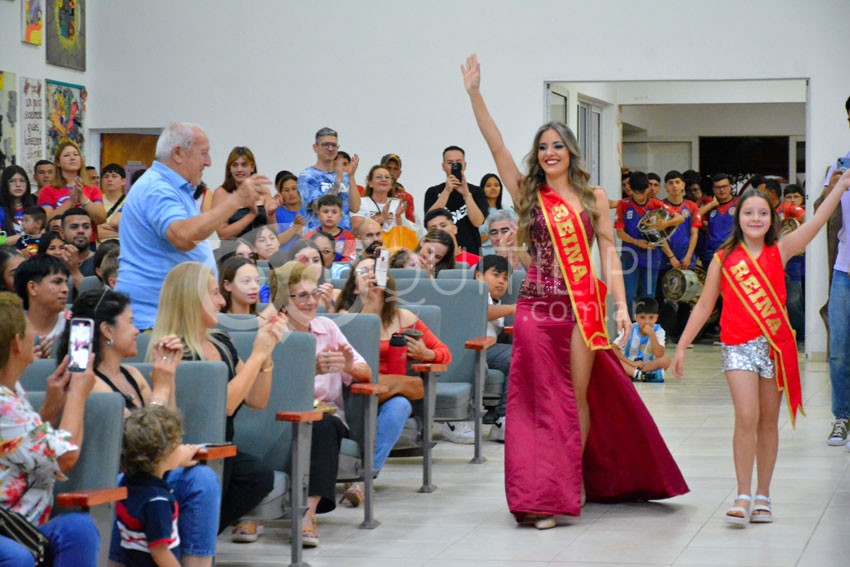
[694, 120]
[269, 73]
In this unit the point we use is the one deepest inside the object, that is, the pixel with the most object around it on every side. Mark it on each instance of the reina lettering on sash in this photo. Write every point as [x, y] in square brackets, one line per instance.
[752, 286]
[572, 250]
[757, 296]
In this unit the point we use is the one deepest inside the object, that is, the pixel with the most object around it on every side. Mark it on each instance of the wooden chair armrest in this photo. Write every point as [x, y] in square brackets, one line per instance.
[299, 416]
[88, 498]
[480, 343]
[508, 330]
[368, 389]
[205, 454]
[429, 367]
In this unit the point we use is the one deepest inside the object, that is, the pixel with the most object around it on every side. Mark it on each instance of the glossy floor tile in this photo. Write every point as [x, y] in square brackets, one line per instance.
[466, 523]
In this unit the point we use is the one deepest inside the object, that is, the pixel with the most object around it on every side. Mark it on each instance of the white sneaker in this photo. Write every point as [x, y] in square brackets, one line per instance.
[458, 432]
[497, 431]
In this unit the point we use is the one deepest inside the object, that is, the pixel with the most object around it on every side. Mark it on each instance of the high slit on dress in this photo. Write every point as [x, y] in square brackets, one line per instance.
[625, 458]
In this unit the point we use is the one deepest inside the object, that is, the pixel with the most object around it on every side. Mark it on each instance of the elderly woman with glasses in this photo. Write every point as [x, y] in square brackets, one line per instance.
[296, 291]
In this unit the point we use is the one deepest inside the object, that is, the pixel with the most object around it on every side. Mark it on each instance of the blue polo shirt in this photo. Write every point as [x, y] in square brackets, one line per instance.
[159, 197]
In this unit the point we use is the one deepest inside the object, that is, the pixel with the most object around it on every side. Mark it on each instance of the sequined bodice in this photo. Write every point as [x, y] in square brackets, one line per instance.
[544, 274]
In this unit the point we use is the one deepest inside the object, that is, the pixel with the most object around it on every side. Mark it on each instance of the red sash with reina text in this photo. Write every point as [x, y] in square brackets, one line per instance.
[587, 293]
[753, 289]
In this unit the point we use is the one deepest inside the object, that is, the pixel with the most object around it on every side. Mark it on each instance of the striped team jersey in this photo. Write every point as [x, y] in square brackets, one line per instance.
[147, 518]
[721, 222]
[681, 238]
[629, 214]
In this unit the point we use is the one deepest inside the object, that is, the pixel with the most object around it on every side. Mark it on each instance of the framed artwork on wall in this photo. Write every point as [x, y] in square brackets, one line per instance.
[8, 119]
[32, 21]
[66, 33]
[32, 123]
[66, 110]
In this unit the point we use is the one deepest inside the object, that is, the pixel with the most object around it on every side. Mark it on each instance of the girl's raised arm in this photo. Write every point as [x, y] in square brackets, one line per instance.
[505, 164]
[795, 242]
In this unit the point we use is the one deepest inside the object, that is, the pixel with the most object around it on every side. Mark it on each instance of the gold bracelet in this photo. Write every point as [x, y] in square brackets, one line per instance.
[267, 368]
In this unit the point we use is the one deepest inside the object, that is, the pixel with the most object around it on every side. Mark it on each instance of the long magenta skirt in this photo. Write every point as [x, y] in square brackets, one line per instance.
[626, 458]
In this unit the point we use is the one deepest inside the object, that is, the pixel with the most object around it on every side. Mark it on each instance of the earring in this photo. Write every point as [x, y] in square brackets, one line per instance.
[109, 342]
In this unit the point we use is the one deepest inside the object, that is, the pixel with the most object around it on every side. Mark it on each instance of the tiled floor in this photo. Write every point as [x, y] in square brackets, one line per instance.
[466, 522]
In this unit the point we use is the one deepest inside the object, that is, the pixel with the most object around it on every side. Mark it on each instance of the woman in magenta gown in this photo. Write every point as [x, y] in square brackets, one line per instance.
[575, 423]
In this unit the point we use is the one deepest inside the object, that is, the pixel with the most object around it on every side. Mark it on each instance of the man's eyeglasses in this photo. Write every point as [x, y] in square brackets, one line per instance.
[329, 145]
[305, 295]
[498, 231]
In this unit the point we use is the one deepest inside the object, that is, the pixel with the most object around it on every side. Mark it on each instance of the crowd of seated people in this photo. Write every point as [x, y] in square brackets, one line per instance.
[277, 260]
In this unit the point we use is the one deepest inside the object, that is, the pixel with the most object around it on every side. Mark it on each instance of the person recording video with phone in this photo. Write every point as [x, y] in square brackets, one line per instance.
[40, 446]
[361, 294]
[466, 202]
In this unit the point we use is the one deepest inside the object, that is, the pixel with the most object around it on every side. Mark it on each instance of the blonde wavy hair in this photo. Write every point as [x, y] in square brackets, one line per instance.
[181, 309]
[532, 182]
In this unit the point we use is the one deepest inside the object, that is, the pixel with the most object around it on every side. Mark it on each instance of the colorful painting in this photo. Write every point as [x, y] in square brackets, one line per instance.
[32, 123]
[66, 33]
[32, 16]
[8, 119]
[66, 110]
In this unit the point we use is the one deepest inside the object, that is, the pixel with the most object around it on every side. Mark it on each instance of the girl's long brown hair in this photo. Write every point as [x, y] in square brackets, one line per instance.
[770, 238]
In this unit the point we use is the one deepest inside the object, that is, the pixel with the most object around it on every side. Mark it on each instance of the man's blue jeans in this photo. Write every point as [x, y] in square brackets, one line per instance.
[839, 343]
[74, 542]
[639, 282]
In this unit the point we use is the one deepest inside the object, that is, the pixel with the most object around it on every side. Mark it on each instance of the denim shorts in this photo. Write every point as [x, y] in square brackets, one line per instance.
[752, 356]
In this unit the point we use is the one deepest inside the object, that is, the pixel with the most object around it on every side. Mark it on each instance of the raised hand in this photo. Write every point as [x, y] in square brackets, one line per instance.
[471, 72]
[252, 189]
[353, 164]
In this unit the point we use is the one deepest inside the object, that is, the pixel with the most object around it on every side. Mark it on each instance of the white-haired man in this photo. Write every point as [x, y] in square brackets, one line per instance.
[501, 227]
[161, 225]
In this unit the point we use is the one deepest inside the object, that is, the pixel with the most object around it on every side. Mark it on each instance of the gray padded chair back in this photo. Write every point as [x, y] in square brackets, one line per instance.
[34, 378]
[232, 322]
[457, 325]
[100, 455]
[456, 274]
[89, 283]
[257, 431]
[408, 273]
[363, 331]
[428, 314]
[201, 392]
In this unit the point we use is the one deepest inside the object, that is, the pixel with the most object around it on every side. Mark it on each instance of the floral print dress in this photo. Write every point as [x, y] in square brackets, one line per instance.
[29, 453]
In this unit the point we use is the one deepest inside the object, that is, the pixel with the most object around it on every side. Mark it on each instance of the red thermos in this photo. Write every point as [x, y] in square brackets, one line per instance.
[397, 355]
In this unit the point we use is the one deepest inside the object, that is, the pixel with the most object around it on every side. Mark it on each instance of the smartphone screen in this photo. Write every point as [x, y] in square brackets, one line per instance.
[79, 344]
[382, 264]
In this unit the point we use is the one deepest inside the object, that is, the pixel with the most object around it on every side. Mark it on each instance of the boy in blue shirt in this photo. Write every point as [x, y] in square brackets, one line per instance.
[642, 354]
[147, 519]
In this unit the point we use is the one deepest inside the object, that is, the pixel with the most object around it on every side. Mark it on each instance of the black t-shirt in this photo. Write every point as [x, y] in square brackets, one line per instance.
[468, 236]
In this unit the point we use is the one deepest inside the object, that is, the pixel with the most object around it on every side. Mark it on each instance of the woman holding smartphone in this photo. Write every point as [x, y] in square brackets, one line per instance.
[361, 295]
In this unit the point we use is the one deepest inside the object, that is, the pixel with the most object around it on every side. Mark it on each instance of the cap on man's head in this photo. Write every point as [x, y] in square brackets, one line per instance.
[390, 157]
